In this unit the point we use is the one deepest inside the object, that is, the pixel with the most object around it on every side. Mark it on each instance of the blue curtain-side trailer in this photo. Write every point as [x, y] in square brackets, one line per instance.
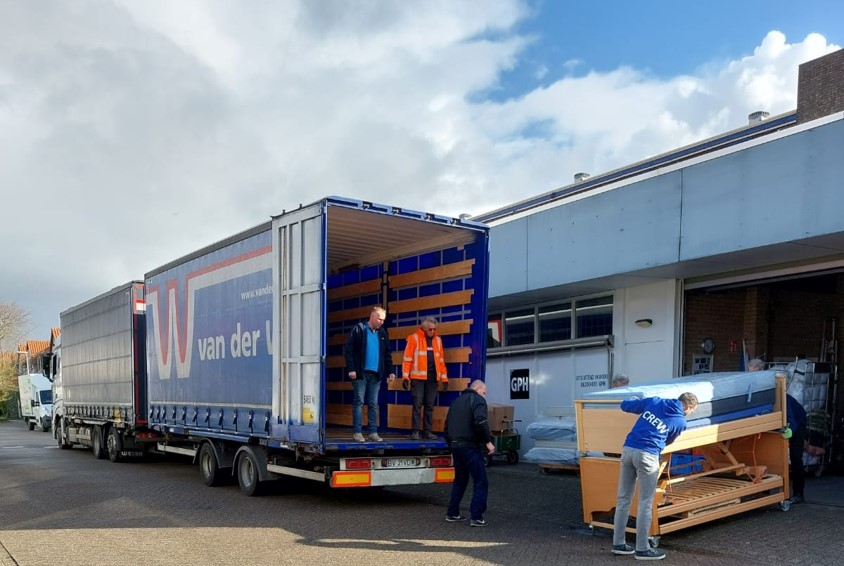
[245, 337]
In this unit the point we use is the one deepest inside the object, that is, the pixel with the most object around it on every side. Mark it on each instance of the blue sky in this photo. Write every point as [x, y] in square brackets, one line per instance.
[136, 131]
[665, 38]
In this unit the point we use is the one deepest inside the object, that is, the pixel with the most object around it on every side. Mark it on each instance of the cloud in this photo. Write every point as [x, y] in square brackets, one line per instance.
[136, 132]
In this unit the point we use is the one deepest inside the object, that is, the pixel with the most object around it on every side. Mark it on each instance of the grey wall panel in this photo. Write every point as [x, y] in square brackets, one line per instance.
[613, 232]
[508, 251]
[784, 190]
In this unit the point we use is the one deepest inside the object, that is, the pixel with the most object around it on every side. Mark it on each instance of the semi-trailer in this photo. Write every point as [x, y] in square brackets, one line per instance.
[232, 354]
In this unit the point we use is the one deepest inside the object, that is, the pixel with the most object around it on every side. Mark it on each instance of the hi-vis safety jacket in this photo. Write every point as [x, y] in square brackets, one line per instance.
[415, 364]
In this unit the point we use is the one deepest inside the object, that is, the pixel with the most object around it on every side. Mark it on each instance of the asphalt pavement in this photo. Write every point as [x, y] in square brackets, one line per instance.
[64, 507]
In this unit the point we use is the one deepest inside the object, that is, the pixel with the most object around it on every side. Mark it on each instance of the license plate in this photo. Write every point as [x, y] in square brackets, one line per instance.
[400, 463]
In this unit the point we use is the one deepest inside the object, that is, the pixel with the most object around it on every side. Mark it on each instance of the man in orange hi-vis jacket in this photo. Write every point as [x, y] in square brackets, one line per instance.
[422, 369]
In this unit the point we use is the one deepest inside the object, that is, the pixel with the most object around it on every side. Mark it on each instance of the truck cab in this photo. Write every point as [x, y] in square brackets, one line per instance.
[52, 364]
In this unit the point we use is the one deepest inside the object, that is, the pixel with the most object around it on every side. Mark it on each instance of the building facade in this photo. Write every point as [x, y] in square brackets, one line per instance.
[688, 262]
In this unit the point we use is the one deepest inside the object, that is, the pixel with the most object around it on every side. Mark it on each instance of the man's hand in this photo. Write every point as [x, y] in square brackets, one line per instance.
[442, 386]
[353, 375]
[391, 378]
[405, 383]
[490, 448]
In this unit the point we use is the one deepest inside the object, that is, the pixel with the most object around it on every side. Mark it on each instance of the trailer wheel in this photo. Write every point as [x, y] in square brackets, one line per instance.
[30, 425]
[114, 444]
[97, 444]
[513, 457]
[247, 474]
[212, 474]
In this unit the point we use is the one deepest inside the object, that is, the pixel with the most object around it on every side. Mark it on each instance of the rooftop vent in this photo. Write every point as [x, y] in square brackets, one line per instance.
[579, 177]
[756, 117]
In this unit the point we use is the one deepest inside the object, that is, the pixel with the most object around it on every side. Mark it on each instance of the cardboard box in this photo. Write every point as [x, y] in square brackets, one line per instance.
[500, 417]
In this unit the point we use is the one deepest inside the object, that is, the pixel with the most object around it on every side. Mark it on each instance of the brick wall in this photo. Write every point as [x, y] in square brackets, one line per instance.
[719, 316]
[796, 322]
[774, 323]
[820, 87]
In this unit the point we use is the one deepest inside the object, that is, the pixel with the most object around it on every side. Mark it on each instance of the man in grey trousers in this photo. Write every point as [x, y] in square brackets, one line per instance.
[660, 422]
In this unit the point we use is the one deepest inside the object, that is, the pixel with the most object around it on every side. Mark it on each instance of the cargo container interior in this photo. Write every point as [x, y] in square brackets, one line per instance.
[414, 268]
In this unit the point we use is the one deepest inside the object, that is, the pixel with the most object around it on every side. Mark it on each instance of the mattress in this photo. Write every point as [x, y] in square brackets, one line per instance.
[563, 456]
[721, 396]
[564, 428]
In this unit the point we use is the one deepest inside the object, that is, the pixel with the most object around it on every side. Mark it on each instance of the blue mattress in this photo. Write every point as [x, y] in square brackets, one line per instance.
[721, 396]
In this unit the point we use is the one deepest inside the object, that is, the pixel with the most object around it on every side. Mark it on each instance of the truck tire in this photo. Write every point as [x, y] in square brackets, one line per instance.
[212, 474]
[45, 425]
[98, 444]
[60, 437]
[114, 444]
[30, 425]
[247, 474]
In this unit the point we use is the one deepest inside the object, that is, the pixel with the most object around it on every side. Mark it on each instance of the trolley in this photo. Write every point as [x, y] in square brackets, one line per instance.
[507, 443]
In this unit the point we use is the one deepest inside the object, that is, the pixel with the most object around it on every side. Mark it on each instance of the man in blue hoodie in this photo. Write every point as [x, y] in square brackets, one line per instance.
[660, 422]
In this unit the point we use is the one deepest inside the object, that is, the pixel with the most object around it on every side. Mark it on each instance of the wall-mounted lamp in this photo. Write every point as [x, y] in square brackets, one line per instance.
[644, 322]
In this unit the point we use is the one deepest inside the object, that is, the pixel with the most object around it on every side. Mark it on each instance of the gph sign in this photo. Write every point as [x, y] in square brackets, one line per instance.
[520, 384]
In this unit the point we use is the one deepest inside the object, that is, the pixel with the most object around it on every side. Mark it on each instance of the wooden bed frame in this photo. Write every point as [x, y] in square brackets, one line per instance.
[744, 463]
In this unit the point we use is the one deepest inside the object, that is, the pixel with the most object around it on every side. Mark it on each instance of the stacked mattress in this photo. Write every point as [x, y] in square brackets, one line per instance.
[722, 396]
[555, 441]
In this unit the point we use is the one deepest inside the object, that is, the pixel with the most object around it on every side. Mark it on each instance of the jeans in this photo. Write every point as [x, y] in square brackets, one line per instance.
[644, 467]
[369, 384]
[469, 461]
[423, 392]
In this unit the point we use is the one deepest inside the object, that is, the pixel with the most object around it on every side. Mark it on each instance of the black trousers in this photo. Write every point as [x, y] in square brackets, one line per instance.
[424, 392]
[795, 456]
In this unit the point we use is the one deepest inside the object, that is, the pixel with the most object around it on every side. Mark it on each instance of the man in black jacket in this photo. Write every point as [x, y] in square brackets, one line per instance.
[468, 436]
[368, 358]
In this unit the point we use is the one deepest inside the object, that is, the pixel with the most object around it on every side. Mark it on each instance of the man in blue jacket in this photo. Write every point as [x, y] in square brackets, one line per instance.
[367, 353]
[660, 422]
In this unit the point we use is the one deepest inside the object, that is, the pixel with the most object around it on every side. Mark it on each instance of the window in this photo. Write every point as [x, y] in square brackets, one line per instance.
[594, 317]
[519, 327]
[493, 331]
[555, 322]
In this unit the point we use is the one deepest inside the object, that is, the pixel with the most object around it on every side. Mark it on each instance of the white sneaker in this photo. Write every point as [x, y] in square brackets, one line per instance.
[358, 437]
[375, 438]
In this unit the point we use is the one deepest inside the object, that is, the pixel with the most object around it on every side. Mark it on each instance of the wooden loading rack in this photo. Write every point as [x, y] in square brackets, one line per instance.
[744, 466]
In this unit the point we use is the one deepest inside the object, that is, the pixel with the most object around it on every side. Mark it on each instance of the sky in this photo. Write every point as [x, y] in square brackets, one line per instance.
[133, 132]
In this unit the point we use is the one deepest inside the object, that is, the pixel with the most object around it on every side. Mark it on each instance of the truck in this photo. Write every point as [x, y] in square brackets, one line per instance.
[98, 369]
[36, 400]
[233, 354]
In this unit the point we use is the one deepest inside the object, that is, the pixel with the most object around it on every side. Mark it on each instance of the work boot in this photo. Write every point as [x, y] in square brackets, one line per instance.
[415, 435]
[428, 435]
[358, 437]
